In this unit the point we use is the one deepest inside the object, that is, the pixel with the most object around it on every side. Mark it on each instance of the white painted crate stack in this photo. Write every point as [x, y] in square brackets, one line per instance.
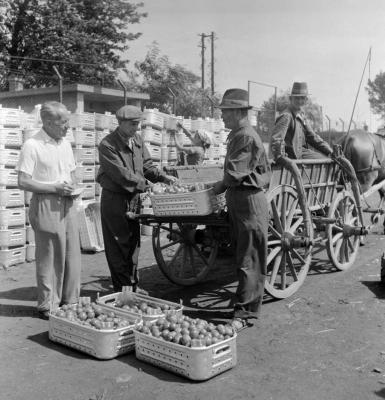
[84, 147]
[12, 210]
[104, 124]
[151, 131]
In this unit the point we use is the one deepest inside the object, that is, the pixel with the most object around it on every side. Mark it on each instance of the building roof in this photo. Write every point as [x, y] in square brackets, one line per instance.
[92, 92]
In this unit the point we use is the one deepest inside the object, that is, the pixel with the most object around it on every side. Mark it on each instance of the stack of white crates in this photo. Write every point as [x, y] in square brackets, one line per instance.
[82, 138]
[12, 209]
[104, 124]
[31, 125]
[152, 132]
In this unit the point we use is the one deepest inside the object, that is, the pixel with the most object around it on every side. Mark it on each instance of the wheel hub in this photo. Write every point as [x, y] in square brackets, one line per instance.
[290, 241]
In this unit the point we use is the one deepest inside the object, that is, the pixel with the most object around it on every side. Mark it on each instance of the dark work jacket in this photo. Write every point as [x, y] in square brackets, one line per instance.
[291, 134]
[246, 163]
[125, 170]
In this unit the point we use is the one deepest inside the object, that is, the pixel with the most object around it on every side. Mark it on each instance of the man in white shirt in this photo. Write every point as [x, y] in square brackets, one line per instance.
[47, 169]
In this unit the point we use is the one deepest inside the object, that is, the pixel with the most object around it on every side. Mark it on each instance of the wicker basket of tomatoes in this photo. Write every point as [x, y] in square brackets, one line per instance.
[94, 329]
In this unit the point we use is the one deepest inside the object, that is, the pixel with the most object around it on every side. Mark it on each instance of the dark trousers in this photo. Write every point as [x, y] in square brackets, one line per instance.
[121, 238]
[249, 220]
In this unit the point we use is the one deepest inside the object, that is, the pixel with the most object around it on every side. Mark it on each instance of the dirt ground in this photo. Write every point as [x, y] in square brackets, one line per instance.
[327, 341]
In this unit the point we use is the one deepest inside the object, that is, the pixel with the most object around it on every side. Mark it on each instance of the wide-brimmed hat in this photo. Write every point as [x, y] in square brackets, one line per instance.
[129, 113]
[235, 98]
[299, 89]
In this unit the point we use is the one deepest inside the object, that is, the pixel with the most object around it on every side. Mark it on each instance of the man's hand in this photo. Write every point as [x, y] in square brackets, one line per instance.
[219, 187]
[169, 179]
[64, 189]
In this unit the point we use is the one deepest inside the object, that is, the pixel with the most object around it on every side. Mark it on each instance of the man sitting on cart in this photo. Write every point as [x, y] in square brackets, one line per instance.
[246, 173]
[292, 135]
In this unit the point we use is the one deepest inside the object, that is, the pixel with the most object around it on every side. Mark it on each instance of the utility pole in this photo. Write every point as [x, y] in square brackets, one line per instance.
[212, 63]
[203, 37]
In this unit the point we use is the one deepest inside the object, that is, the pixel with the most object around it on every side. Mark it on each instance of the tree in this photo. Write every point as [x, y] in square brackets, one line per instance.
[157, 76]
[88, 34]
[376, 91]
[312, 110]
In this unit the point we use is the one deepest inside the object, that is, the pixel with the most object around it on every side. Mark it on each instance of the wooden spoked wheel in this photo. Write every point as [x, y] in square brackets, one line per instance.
[182, 258]
[289, 242]
[342, 244]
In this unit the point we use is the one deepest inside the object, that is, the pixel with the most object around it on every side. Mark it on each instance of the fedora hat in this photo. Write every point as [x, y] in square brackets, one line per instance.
[299, 89]
[235, 98]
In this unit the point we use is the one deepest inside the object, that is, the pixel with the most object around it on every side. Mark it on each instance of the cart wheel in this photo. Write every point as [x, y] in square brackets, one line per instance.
[184, 253]
[289, 242]
[341, 246]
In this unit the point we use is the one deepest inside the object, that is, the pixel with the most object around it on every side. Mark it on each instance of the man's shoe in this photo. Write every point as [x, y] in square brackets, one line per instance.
[43, 314]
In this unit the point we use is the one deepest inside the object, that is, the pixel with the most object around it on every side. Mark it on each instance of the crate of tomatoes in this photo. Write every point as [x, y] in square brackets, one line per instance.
[184, 199]
[190, 347]
[146, 307]
[94, 329]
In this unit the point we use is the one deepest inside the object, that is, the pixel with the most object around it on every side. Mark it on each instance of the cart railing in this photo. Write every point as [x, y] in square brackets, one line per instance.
[319, 179]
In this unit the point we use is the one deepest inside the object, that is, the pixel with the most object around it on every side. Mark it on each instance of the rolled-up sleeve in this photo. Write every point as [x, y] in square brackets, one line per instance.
[112, 165]
[238, 164]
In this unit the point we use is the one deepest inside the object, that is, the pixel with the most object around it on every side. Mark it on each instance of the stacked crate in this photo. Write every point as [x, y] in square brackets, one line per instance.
[152, 132]
[82, 137]
[31, 125]
[104, 124]
[12, 209]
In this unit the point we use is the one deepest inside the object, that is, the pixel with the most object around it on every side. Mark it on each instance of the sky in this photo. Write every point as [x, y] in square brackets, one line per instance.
[276, 42]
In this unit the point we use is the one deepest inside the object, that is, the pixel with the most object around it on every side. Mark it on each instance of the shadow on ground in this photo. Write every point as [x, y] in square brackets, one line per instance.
[378, 288]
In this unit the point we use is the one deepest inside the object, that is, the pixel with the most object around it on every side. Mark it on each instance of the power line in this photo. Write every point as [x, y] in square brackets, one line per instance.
[53, 61]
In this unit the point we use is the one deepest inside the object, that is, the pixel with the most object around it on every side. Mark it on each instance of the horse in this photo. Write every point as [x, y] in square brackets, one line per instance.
[366, 153]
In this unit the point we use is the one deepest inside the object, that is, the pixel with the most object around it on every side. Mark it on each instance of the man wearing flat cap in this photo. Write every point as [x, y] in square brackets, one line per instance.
[246, 173]
[292, 135]
[125, 166]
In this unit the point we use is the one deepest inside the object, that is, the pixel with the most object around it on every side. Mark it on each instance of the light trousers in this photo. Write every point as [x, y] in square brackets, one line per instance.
[58, 257]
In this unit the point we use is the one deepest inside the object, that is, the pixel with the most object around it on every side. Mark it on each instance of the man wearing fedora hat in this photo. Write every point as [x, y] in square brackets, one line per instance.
[292, 135]
[246, 173]
[125, 166]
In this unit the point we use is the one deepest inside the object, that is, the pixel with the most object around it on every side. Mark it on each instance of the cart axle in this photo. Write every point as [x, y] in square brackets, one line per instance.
[289, 241]
[350, 230]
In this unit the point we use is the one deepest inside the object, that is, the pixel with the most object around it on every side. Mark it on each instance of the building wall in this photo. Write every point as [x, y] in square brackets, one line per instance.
[28, 103]
[74, 101]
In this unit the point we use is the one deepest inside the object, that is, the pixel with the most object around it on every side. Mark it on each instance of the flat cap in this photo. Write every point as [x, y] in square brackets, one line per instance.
[129, 113]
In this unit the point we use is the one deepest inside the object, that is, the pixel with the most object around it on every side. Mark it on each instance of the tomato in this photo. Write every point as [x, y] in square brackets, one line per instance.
[185, 331]
[185, 340]
[208, 341]
[64, 307]
[229, 331]
[60, 313]
[221, 329]
[165, 333]
[194, 333]
[185, 324]
[82, 316]
[172, 326]
[177, 338]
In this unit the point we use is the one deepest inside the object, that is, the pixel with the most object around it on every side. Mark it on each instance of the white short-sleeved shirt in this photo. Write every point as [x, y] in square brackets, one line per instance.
[47, 160]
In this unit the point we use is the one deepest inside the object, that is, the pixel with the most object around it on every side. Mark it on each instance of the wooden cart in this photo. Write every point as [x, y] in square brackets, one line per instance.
[310, 202]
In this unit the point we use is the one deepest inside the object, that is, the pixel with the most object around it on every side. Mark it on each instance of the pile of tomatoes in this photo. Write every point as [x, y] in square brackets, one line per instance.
[177, 187]
[142, 307]
[186, 331]
[91, 315]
